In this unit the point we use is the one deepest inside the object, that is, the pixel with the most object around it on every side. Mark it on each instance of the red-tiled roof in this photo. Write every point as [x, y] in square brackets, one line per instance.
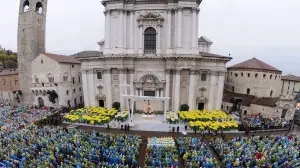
[291, 78]
[62, 58]
[265, 101]
[5, 72]
[227, 96]
[254, 64]
[247, 100]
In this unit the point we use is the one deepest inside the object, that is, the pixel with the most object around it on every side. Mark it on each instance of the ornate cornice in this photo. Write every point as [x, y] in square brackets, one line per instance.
[199, 71]
[170, 9]
[100, 70]
[161, 56]
[192, 71]
[179, 8]
[214, 72]
[107, 11]
[221, 73]
[150, 17]
[195, 9]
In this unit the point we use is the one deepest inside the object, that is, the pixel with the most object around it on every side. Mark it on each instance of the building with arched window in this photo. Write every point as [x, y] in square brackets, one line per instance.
[153, 46]
[56, 80]
[261, 91]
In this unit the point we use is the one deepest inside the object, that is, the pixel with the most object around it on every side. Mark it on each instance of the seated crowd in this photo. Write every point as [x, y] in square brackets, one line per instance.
[57, 147]
[195, 153]
[259, 151]
[161, 153]
[15, 118]
[259, 122]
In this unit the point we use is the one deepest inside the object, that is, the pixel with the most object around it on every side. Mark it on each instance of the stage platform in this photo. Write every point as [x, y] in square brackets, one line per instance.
[149, 123]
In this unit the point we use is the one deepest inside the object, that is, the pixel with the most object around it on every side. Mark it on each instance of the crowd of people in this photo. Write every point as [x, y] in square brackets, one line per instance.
[24, 143]
[195, 153]
[259, 151]
[161, 152]
[15, 118]
[259, 122]
[57, 147]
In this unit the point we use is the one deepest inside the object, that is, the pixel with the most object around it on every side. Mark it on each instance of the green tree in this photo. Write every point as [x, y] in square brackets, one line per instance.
[8, 55]
[10, 64]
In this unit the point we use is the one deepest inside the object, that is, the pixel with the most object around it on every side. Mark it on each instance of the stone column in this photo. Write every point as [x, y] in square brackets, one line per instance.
[131, 81]
[109, 89]
[125, 29]
[121, 36]
[167, 93]
[132, 108]
[177, 91]
[85, 88]
[219, 94]
[141, 42]
[173, 88]
[197, 24]
[107, 29]
[157, 93]
[212, 87]
[191, 99]
[91, 87]
[194, 28]
[179, 39]
[121, 89]
[141, 92]
[136, 92]
[131, 13]
[169, 30]
[165, 110]
[158, 39]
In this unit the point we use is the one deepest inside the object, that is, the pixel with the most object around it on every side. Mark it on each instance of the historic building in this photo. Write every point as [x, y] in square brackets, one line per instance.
[9, 87]
[154, 47]
[56, 81]
[31, 41]
[290, 85]
[256, 87]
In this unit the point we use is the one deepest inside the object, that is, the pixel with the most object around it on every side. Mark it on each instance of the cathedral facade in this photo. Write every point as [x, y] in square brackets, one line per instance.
[153, 46]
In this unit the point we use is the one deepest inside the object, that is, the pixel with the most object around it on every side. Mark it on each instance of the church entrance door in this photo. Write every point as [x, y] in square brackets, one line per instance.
[200, 106]
[101, 103]
[41, 102]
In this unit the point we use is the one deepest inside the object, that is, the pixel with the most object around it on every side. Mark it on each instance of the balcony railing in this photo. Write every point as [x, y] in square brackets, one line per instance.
[44, 87]
[150, 52]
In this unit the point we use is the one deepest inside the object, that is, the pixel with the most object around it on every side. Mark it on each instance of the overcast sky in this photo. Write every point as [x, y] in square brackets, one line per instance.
[266, 29]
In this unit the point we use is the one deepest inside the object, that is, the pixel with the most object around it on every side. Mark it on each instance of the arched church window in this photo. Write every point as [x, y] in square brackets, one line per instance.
[26, 6]
[150, 40]
[50, 78]
[36, 79]
[271, 93]
[248, 91]
[39, 8]
[65, 77]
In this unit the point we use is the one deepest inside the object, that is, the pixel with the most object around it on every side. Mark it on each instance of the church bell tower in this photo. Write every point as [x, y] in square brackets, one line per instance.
[31, 41]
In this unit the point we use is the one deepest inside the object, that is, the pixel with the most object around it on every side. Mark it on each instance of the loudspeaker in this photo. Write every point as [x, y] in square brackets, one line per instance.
[121, 127]
[173, 129]
[107, 126]
[185, 127]
[177, 128]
